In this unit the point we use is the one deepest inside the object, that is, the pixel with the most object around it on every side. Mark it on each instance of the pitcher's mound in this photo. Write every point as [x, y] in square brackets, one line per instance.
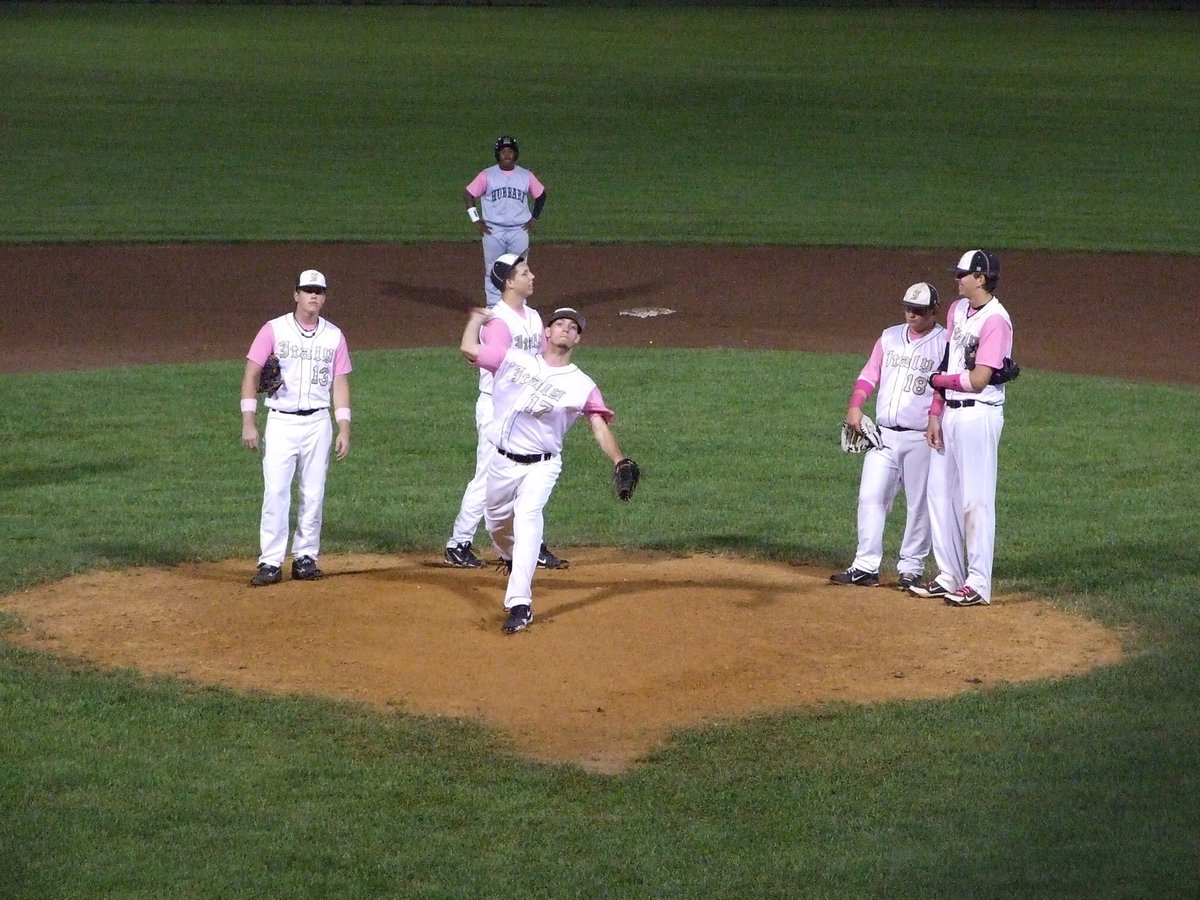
[625, 646]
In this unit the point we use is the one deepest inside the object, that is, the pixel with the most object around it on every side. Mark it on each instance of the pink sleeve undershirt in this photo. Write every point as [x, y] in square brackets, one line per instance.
[490, 357]
[994, 338]
[594, 406]
[263, 346]
[868, 378]
[478, 185]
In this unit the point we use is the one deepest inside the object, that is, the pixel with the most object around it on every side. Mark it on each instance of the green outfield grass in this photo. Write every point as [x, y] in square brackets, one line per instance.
[117, 785]
[1025, 128]
[1049, 129]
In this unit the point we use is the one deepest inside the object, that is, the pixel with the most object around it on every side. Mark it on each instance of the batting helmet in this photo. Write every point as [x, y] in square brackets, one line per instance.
[507, 141]
[502, 268]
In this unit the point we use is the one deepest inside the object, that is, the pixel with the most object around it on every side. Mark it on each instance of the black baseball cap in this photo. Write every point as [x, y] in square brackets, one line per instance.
[566, 312]
[977, 262]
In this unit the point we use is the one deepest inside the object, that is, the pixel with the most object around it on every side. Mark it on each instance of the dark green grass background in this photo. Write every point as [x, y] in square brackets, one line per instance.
[1008, 128]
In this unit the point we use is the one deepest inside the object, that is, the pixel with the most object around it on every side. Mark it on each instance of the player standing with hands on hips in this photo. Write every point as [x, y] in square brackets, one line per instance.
[512, 323]
[901, 363]
[314, 365]
[537, 399]
[503, 192]
[965, 435]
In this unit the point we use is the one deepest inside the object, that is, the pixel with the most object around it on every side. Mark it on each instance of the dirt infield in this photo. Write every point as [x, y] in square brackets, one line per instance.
[623, 648]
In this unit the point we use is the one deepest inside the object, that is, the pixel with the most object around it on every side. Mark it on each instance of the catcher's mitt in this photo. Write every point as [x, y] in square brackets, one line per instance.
[626, 475]
[1006, 373]
[270, 379]
[867, 438]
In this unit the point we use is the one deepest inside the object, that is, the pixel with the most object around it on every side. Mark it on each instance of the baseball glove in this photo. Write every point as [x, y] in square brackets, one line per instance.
[969, 355]
[270, 379]
[861, 441]
[626, 475]
[1006, 373]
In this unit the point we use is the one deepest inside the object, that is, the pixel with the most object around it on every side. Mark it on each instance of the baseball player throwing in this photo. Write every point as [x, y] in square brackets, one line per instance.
[965, 436]
[503, 192]
[537, 399]
[315, 365]
[901, 363]
[512, 323]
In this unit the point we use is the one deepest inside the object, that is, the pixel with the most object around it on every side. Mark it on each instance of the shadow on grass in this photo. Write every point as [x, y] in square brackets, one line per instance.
[48, 473]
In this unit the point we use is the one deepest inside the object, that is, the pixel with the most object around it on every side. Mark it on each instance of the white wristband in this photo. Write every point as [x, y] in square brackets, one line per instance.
[250, 405]
[473, 214]
[342, 414]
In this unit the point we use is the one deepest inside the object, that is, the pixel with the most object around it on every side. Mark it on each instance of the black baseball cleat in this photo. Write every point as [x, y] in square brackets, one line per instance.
[305, 569]
[547, 560]
[518, 619]
[966, 596]
[266, 574]
[856, 577]
[907, 580]
[461, 557]
[930, 589]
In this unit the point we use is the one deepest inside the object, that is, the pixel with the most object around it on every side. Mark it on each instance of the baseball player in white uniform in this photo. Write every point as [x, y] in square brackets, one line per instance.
[965, 435]
[900, 365]
[503, 192]
[315, 363]
[537, 399]
[512, 323]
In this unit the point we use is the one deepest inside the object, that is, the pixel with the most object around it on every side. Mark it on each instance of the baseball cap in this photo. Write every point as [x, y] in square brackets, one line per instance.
[921, 294]
[566, 312]
[311, 278]
[502, 267]
[978, 261]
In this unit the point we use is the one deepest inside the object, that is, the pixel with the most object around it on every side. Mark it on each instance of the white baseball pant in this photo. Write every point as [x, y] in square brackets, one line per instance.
[904, 462]
[516, 495]
[294, 444]
[962, 497]
[470, 511]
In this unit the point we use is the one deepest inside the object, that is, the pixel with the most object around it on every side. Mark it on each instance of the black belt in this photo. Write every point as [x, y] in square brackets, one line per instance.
[898, 428]
[298, 412]
[959, 404]
[525, 459]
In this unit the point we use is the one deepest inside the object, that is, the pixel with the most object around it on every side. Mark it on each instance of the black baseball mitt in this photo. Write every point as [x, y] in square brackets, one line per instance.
[626, 475]
[270, 379]
[1006, 373]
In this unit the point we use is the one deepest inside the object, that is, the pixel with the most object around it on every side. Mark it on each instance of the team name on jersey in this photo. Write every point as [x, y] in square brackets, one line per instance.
[289, 350]
[530, 343]
[897, 360]
[520, 375]
[507, 193]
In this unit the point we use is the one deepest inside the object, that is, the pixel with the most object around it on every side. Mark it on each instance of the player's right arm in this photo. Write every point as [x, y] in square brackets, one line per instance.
[471, 193]
[250, 396]
[470, 344]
